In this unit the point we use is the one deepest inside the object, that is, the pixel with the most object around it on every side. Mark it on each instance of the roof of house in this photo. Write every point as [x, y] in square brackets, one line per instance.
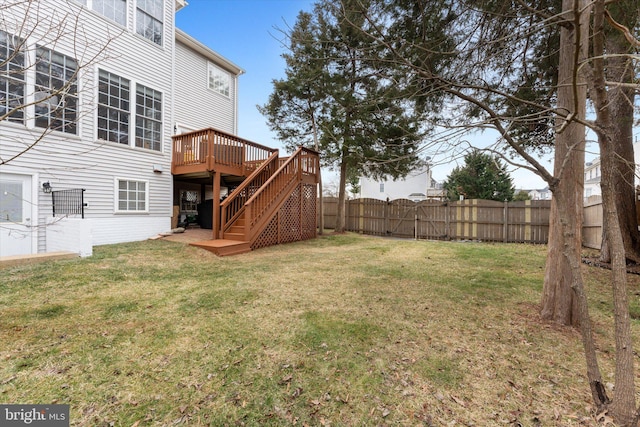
[194, 44]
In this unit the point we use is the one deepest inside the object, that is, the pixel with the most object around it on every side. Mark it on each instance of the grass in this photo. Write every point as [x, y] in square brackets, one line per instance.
[342, 330]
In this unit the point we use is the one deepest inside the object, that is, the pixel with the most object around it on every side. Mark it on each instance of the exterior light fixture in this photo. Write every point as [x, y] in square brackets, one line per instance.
[46, 187]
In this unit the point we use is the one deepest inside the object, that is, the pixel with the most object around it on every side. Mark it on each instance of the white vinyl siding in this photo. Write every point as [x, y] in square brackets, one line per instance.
[192, 94]
[132, 196]
[149, 19]
[82, 160]
[12, 77]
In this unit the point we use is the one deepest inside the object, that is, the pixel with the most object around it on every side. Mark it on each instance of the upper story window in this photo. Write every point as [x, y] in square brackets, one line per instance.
[148, 118]
[116, 10]
[12, 78]
[149, 19]
[56, 91]
[219, 80]
[382, 187]
[115, 109]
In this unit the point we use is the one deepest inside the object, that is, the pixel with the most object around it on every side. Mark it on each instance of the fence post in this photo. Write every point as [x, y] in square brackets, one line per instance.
[415, 216]
[386, 217]
[505, 220]
[527, 220]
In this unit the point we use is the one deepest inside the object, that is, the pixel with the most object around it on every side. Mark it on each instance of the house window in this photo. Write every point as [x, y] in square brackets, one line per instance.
[148, 118]
[149, 19]
[382, 187]
[189, 201]
[219, 80]
[132, 196]
[12, 79]
[116, 10]
[113, 108]
[11, 202]
[56, 91]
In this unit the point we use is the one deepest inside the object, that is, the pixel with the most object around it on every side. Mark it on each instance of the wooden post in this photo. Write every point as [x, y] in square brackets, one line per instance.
[527, 219]
[216, 206]
[505, 222]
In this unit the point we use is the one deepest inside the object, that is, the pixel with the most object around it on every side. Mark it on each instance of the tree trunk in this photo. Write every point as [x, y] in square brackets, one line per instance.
[623, 406]
[558, 304]
[572, 259]
[621, 101]
[342, 192]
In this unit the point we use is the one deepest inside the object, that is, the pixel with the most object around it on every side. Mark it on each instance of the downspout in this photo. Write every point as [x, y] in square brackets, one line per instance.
[172, 122]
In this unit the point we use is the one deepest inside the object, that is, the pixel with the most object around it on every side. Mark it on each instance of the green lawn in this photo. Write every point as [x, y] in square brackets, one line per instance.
[343, 330]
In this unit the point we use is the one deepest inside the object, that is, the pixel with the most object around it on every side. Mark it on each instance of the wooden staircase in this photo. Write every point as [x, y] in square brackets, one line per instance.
[276, 203]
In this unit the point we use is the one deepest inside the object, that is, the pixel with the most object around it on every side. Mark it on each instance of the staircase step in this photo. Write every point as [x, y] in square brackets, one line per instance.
[224, 247]
[235, 229]
[233, 236]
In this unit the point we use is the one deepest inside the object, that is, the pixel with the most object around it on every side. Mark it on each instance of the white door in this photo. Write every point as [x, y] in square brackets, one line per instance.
[16, 213]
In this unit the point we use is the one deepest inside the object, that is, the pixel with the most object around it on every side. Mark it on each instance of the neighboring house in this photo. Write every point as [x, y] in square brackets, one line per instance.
[592, 176]
[417, 186]
[131, 80]
[543, 194]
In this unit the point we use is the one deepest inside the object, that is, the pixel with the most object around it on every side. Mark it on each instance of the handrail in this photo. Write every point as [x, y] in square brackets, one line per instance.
[214, 147]
[304, 162]
[233, 205]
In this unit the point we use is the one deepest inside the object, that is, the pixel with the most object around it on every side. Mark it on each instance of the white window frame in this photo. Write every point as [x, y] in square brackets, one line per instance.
[146, 116]
[20, 115]
[91, 3]
[132, 113]
[144, 13]
[109, 107]
[68, 92]
[117, 199]
[218, 80]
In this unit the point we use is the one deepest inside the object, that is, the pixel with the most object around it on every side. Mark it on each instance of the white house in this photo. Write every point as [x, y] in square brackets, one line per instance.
[540, 194]
[417, 185]
[592, 176]
[90, 94]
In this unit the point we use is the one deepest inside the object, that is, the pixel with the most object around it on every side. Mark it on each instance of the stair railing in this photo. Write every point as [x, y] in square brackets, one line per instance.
[262, 205]
[233, 206]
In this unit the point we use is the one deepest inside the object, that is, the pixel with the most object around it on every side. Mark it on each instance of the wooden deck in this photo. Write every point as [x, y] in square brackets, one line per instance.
[275, 202]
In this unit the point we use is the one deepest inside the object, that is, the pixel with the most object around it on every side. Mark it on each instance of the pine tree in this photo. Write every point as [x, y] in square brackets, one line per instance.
[482, 177]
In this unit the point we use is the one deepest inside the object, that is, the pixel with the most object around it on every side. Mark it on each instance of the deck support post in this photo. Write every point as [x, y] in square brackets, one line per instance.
[216, 206]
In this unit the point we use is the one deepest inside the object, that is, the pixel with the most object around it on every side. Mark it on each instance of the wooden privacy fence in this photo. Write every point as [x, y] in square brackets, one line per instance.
[486, 220]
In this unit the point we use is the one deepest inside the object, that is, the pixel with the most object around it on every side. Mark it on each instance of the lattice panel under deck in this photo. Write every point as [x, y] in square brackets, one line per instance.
[269, 235]
[290, 218]
[309, 214]
[296, 219]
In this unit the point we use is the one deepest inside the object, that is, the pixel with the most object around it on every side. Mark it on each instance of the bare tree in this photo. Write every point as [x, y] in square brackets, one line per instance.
[30, 32]
[485, 95]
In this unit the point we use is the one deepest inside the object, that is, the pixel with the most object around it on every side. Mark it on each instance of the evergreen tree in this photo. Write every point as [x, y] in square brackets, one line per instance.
[366, 116]
[481, 177]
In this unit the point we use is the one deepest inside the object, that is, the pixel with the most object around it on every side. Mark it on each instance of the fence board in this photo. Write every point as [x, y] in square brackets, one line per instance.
[485, 220]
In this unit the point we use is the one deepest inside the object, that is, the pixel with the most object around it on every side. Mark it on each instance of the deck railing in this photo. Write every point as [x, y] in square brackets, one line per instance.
[212, 147]
[303, 163]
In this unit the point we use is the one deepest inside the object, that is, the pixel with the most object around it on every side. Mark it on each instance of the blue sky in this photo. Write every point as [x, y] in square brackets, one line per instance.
[244, 32]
